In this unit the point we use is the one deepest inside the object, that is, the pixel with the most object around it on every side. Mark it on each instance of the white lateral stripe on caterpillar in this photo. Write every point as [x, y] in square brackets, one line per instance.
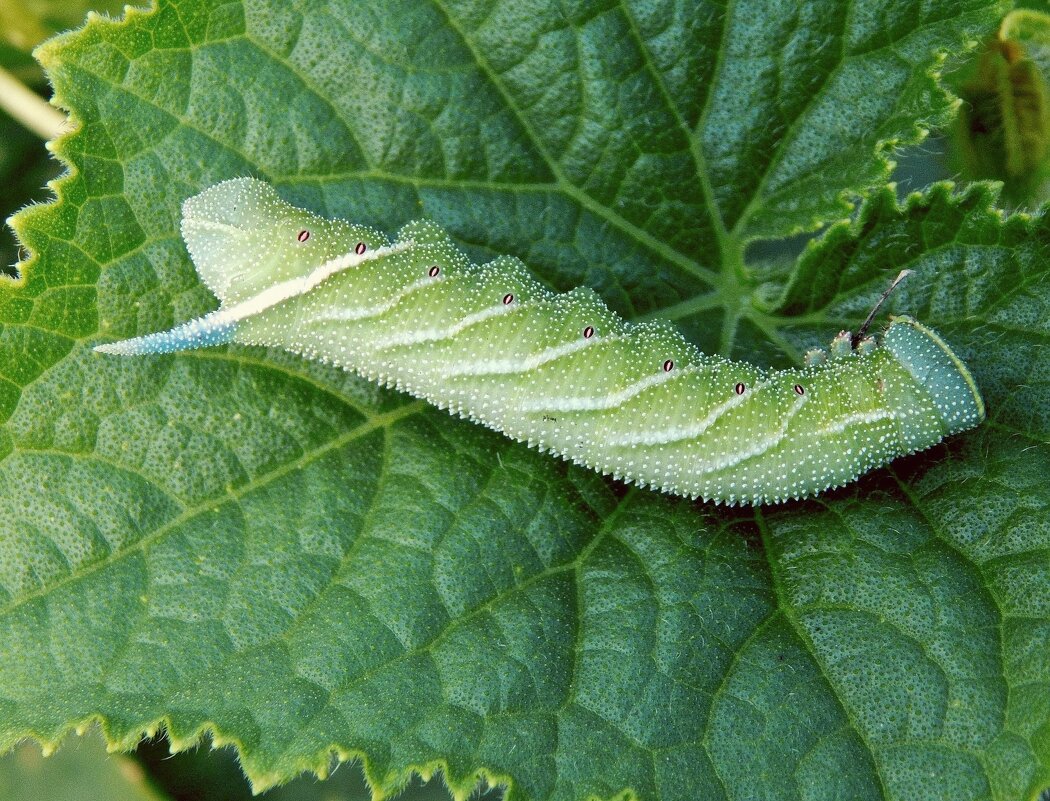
[667, 435]
[296, 287]
[495, 346]
[211, 225]
[404, 339]
[213, 328]
[508, 366]
[364, 312]
[842, 423]
[610, 401]
[758, 448]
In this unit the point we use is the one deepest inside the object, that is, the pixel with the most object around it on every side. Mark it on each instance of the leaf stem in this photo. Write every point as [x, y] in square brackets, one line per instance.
[28, 108]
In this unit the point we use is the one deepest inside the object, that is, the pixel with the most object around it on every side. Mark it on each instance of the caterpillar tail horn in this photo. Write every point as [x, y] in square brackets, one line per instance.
[211, 329]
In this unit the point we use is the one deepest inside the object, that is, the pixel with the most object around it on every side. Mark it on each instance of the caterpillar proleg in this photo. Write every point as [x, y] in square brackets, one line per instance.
[559, 371]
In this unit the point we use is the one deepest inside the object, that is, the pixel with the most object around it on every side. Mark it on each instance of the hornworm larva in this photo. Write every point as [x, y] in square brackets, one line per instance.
[559, 371]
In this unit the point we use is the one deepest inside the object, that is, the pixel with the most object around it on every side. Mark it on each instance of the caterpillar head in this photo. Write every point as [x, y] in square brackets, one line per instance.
[934, 366]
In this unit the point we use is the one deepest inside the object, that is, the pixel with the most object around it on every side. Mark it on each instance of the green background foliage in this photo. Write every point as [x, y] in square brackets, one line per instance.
[241, 543]
[79, 770]
[1003, 130]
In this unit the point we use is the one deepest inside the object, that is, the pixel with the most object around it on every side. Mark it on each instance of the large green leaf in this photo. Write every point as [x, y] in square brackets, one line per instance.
[239, 542]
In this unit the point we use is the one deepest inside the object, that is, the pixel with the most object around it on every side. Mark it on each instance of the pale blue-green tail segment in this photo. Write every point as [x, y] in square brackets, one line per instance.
[560, 371]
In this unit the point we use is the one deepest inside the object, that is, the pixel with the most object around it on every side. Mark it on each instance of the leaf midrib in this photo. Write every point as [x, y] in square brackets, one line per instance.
[782, 604]
[670, 254]
[695, 148]
[992, 601]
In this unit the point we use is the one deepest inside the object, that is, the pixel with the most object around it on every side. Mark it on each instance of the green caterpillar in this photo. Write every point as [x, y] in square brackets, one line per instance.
[559, 371]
